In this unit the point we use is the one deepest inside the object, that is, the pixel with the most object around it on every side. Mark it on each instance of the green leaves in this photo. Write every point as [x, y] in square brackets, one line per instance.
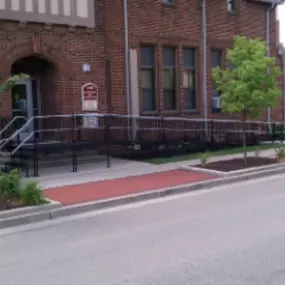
[251, 83]
[9, 188]
[31, 194]
[11, 81]
[14, 192]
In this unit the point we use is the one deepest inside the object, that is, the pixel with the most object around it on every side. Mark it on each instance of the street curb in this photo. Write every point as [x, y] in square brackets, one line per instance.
[27, 215]
[103, 204]
[30, 210]
[23, 220]
[64, 211]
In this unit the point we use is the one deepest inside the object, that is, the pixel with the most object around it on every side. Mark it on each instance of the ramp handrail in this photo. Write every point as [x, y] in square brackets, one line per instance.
[34, 132]
[102, 115]
[9, 125]
[14, 135]
[23, 142]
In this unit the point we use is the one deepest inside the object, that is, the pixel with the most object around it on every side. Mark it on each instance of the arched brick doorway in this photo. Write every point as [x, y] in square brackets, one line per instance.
[33, 96]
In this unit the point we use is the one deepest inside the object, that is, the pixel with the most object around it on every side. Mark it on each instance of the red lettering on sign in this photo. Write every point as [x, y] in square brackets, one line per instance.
[90, 92]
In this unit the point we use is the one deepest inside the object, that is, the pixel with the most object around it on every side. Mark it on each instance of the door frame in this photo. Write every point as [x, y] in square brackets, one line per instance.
[29, 101]
[29, 95]
[39, 103]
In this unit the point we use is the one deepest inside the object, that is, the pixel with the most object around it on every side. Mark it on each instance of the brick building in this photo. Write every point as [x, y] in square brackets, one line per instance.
[171, 46]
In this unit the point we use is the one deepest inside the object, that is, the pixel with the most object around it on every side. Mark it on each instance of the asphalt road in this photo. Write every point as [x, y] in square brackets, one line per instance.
[226, 236]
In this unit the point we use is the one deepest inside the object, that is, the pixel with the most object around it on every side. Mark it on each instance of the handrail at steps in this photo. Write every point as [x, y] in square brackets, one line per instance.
[14, 135]
[32, 133]
[23, 142]
[8, 125]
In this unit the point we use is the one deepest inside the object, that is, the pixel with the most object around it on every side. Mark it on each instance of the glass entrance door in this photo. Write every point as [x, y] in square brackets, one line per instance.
[22, 104]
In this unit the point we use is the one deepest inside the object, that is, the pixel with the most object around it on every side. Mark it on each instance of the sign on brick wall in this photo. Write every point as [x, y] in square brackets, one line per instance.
[90, 97]
[90, 122]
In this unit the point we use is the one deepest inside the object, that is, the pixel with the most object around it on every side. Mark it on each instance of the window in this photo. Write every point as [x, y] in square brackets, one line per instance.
[169, 78]
[147, 77]
[216, 57]
[216, 60]
[189, 79]
[232, 6]
[168, 2]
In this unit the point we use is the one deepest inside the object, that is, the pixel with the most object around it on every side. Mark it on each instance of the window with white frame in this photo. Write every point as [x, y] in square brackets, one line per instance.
[169, 79]
[216, 60]
[232, 6]
[147, 78]
[189, 78]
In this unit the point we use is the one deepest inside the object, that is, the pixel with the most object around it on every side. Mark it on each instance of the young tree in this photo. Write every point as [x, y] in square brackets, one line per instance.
[250, 85]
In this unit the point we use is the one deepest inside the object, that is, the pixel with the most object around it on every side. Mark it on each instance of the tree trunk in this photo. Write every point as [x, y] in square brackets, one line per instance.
[244, 138]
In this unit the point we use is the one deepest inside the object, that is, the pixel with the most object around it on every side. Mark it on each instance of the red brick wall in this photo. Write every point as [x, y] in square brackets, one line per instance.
[150, 22]
[67, 49]
[180, 25]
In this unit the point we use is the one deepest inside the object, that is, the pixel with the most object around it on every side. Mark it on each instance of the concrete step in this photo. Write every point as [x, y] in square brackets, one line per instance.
[4, 159]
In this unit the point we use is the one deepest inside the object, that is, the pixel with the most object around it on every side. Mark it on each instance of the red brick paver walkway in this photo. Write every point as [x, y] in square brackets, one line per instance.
[75, 194]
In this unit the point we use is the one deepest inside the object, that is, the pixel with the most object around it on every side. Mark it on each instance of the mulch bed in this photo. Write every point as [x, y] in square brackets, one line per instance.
[238, 164]
[14, 205]
[17, 205]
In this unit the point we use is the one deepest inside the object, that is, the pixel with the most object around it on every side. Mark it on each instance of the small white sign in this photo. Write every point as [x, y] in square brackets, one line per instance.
[90, 105]
[86, 67]
[90, 97]
[90, 122]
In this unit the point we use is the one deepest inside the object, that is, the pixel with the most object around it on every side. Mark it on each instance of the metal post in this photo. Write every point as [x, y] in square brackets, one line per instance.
[36, 161]
[107, 139]
[204, 65]
[268, 54]
[127, 64]
[73, 146]
[282, 133]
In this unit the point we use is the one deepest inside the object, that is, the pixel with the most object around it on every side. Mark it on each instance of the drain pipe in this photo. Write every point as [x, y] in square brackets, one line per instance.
[268, 53]
[281, 53]
[127, 63]
[204, 65]
[283, 79]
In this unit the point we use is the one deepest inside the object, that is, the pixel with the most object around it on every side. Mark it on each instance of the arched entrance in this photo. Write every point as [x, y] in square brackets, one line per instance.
[33, 96]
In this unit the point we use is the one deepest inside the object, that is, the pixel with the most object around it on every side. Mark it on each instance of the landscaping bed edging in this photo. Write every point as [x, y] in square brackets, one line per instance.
[6, 214]
[235, 172]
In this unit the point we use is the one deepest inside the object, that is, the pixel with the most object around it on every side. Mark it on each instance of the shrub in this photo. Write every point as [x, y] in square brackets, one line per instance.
[9, 188]
[257, 152]
[280, 154]
[14, 193]
[31, 194]
[204, 158]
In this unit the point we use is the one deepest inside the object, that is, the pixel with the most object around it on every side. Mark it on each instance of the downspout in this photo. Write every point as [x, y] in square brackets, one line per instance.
[204, 65]
[268, 53]
[127, 63]
[283, 83]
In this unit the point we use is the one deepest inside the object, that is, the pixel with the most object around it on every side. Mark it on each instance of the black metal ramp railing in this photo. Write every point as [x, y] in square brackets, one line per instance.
[107, 133]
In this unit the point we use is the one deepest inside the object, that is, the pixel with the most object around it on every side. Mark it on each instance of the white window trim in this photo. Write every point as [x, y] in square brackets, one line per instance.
[230, 7]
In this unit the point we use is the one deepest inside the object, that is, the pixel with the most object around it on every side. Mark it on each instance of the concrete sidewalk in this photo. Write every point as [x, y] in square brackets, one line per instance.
[126, 169]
